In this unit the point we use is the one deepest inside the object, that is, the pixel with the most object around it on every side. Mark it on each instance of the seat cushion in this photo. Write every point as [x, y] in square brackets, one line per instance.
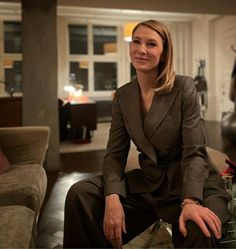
[218, 158]
[16, 224]
[23, 185]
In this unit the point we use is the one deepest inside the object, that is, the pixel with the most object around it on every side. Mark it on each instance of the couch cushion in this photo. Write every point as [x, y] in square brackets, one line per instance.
[23, 185]
[16, 226]
[218, 159]
[4, 164]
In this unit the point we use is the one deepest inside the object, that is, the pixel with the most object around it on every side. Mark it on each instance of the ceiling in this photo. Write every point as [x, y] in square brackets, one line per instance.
[221, 7]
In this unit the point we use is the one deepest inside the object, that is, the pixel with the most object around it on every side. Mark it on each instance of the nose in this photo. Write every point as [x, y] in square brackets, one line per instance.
[142, 49]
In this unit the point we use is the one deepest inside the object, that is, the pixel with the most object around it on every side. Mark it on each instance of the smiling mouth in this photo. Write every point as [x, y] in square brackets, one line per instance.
[141, 59]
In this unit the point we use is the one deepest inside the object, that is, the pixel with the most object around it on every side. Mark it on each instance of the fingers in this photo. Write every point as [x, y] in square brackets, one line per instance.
[182, 226]
[113, 233]
[118, 238]
[123, 225]
[205, 219]
[114, 221]
[114, 237]
[214, 224]
[210, 219]
[203, 227]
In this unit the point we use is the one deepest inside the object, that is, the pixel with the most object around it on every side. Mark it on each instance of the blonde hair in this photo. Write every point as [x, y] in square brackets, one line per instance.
[165, 80]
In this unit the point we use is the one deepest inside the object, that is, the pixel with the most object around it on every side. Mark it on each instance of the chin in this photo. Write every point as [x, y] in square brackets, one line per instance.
[143, 69]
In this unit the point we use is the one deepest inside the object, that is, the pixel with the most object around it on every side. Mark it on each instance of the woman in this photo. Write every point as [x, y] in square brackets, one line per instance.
[176, 182]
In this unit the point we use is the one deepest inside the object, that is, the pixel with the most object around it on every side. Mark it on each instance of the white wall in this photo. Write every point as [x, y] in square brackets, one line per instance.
[212, 38]
[225, 37]
[63, 70]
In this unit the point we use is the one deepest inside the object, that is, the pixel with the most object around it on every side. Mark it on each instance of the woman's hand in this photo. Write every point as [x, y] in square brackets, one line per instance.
[114, 220]
[203, 217]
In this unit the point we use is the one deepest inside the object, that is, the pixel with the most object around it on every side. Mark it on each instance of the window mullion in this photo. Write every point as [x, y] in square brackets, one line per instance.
[90, 59]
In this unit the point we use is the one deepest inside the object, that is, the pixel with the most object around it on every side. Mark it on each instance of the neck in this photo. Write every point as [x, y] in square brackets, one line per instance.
[146, 80]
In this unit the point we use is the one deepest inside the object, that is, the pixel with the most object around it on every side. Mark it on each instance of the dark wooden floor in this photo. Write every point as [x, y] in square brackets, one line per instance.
[77, 166]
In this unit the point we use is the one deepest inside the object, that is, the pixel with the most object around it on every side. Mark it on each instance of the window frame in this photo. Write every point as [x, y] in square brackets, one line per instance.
[7, 56]
[118, 58]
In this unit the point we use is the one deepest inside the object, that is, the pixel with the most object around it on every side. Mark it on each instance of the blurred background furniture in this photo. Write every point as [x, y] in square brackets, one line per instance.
[228, 125]
[228, 121]
[10, 111]
[23, 186]
[201, 86]
[83, 120]
[77, 120]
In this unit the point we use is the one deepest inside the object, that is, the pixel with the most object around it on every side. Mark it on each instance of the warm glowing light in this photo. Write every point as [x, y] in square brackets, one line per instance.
[110, 48]
[78, 93]
[75, 93]
[69, 88]
[8, 63]
[128, 29]
[83, 64]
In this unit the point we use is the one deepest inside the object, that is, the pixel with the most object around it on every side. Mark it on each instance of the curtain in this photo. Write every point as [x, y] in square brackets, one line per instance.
[181, 33]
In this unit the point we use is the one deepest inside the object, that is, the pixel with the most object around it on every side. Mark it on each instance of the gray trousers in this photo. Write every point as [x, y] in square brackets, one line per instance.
[84, 211]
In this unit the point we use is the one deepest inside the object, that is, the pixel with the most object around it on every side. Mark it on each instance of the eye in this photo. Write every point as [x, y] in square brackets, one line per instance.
[135, 41]
[151, 44]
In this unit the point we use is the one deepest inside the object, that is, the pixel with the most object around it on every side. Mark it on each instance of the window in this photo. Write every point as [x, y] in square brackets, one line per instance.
[78, 39]
[94, 45]
[104, 40]
[79, 74]
[13, 72]
[12, 37]
[105, 76]
[12, 57]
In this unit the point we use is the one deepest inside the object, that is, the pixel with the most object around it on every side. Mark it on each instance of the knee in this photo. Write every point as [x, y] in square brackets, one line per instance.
[193, 230]
[195, 236]
[75, 192]
[194, 239]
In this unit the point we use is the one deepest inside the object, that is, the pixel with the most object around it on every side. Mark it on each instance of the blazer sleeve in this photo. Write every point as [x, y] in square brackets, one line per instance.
[117, 151]
[194, 163]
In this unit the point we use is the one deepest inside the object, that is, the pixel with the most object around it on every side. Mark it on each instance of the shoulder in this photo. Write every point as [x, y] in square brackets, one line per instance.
[127, 88]
[183, 80]
[184, 83]
[187, 91]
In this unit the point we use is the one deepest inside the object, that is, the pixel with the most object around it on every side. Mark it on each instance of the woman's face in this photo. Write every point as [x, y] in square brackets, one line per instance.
[146, 49]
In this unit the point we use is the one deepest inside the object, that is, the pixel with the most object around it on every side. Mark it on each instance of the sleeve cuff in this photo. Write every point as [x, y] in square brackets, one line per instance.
[115, 188]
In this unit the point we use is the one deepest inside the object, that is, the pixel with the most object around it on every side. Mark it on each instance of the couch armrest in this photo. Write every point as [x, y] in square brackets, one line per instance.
[218, 158]
[24, 145]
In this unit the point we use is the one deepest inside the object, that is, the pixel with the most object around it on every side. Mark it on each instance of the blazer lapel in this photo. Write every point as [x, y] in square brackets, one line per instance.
[159, 109]
[133, 116]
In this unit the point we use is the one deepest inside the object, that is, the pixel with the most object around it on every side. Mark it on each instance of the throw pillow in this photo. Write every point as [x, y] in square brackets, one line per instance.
[4, 163]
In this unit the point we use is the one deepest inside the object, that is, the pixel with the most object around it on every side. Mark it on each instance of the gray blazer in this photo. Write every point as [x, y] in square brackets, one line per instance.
[170, 139]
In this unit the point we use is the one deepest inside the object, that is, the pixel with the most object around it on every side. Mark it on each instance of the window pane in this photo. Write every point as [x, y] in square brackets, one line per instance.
[104, 40]
[105, 76]
[12, 37]
[13, 73]
[78, 39]
[79, 73]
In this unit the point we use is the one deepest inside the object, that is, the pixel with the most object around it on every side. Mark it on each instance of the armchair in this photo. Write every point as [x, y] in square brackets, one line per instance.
[23, 186]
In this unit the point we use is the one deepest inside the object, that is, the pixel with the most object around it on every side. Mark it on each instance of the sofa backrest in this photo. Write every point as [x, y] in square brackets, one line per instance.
[25, 145]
